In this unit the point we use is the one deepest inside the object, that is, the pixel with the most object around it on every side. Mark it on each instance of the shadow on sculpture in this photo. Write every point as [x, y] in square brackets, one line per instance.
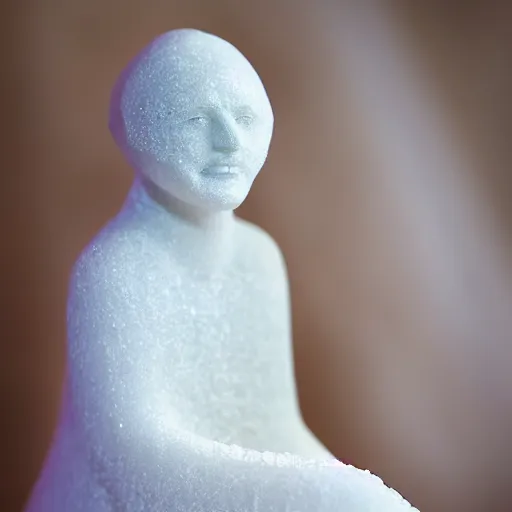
[180, 392]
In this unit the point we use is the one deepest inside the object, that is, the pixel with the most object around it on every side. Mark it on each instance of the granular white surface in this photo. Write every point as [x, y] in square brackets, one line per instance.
[180, 393]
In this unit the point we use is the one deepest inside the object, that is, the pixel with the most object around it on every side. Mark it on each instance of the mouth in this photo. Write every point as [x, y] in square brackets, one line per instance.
[221, 171]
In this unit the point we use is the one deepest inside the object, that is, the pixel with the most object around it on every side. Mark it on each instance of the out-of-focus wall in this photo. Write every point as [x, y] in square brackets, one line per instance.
[393, 375]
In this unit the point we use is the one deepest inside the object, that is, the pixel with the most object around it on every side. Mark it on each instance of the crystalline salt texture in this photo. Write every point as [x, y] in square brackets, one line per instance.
[180, 392]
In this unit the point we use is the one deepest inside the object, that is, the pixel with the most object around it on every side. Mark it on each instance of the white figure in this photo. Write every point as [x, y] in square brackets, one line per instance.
[180, 392]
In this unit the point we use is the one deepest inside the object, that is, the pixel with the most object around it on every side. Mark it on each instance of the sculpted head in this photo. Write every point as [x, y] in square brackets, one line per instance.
[191, 115]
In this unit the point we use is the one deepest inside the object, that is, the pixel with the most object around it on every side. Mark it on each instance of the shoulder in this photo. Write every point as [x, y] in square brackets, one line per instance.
[117, 253]
[255, 240]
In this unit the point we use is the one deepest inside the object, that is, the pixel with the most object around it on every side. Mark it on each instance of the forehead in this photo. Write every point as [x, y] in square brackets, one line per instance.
[192, 73]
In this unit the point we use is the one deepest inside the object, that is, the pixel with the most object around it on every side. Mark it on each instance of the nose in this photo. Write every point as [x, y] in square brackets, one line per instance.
[225, 136]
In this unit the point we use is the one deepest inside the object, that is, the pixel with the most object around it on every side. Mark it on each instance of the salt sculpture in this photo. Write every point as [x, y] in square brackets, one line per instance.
[180, 393]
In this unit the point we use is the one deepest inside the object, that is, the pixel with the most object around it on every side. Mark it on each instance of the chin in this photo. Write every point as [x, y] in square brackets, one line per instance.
[221, 204]
[222, 199]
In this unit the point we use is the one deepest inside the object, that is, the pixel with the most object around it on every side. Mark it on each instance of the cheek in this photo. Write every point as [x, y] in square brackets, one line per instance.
[258, 148]
[188, 148]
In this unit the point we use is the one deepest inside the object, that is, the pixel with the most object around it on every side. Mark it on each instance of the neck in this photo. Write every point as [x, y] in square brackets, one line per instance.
[201, 239]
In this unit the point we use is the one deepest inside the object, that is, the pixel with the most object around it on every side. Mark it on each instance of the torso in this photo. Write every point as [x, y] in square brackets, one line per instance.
[215, 345]
[218, 339]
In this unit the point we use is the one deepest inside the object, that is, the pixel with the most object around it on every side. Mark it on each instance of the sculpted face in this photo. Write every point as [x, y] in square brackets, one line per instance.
[191, 114]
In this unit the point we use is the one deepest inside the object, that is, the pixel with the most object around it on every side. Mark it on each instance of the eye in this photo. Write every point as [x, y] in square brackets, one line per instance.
[244, 120]
[198, 120]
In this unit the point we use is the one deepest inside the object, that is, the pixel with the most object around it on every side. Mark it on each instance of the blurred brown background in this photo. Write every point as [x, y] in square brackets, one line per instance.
[387, 187]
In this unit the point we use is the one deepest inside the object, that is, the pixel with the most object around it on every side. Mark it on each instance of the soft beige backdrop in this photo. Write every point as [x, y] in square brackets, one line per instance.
[401, 291]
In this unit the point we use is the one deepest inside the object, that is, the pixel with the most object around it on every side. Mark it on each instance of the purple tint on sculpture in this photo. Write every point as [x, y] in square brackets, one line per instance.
[180, 393]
